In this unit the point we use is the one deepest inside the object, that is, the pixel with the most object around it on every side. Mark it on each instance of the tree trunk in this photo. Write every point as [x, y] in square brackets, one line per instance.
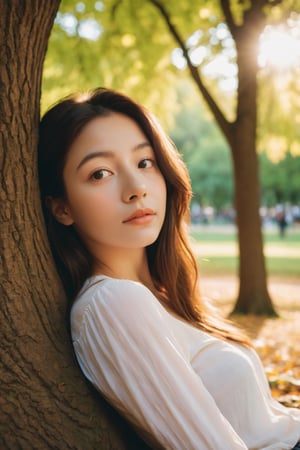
[45, 402]
[253, 294]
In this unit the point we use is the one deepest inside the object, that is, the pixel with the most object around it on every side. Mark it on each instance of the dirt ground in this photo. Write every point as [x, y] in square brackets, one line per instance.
[277, 341]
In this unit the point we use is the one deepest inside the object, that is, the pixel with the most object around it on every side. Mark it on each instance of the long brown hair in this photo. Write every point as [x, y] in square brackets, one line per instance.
[172, 264]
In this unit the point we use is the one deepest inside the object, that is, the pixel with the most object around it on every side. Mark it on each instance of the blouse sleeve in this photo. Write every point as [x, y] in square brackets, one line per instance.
[128, 350]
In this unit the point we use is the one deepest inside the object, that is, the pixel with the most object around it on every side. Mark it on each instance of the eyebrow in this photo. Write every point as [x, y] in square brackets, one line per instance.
[108, 153]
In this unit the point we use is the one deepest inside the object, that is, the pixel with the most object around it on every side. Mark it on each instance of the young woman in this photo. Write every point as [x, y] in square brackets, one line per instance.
[116, 197]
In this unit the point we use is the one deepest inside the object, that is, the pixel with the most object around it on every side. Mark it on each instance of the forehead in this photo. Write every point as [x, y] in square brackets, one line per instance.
[112, 133]
[109, 130]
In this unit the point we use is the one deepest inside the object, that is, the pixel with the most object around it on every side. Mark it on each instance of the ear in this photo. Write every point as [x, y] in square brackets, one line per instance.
[60, 210]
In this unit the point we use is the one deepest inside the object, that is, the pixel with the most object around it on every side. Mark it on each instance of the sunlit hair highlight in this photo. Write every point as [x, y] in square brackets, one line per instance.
[172, 264]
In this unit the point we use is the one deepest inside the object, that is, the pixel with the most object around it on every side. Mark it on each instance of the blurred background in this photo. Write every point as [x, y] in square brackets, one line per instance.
[130, 46]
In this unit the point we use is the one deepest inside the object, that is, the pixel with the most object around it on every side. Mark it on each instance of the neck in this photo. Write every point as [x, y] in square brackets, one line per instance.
[129, 264]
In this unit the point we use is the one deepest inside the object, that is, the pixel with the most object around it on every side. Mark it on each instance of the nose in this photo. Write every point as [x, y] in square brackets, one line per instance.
[134, 190]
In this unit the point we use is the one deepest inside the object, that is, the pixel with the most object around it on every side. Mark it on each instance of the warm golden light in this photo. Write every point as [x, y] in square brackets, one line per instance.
[279, 49]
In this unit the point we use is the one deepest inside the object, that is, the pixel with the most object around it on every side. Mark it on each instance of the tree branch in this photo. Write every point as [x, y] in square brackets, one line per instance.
[229, 17]
[114, 8]
[223, 123]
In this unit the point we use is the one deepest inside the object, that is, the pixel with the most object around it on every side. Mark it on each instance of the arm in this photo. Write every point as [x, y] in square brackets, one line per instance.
[129, 352]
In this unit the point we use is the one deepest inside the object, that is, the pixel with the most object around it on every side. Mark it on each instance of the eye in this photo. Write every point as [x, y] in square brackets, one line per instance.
[100, 174]
[146, 163]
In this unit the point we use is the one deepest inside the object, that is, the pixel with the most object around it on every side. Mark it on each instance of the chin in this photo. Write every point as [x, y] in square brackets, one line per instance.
[145, 242]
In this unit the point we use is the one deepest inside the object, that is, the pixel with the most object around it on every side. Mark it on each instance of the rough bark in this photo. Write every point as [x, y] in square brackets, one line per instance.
[45, 402]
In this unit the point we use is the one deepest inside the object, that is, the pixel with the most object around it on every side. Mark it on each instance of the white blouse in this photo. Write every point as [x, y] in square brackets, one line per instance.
[188, 389]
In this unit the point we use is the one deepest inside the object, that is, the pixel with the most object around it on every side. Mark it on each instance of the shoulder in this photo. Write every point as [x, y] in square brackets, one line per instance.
[109, 299]
[115, 292]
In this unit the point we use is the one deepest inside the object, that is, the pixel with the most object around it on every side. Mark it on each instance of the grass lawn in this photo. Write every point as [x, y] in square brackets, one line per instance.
[217, 252]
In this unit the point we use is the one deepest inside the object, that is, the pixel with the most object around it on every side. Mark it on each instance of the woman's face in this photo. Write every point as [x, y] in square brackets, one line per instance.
[115, 193]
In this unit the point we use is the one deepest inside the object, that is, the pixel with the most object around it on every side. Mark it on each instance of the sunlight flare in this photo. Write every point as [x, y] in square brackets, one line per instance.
[279, 49]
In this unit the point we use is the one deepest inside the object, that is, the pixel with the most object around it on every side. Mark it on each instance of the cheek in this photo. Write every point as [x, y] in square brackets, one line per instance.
[87, 205]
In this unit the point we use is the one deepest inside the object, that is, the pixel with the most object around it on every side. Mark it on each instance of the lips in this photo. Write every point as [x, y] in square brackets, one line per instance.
[139, 213]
